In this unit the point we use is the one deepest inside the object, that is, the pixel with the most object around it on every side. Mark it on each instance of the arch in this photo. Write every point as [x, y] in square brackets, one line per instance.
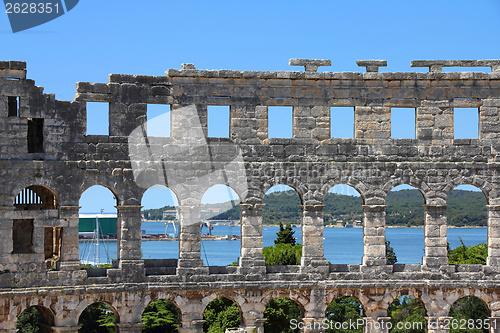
[87, 185]
[423, 188]
[220, 188]
[481, 184]
[470, 307]
[298, 188]
[159, 302]
[360, 187]
[269, 325]
[82, 309]
[341, 308]
[175, 196]
[298, 298]
[36, 197]
[222, 307]
[408, 310]
[46, 319]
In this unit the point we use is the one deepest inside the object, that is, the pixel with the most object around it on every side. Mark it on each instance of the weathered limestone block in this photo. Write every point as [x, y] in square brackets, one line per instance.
[251, 260]
[374, 246]
[436, 252]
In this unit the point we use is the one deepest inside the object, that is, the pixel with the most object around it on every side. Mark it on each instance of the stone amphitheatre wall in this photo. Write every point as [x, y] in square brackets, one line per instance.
[48, 161]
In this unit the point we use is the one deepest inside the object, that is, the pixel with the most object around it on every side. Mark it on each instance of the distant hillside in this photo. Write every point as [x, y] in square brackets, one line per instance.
[404, 208]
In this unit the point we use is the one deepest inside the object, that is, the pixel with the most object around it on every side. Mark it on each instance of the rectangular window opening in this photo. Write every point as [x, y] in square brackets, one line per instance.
[466, 123]
[280, 121]
[97, 118]
[35, 135]
[159, 121]
[342, 122]
[403, 123]
[13, 104]
[52, 243]
[218, 118]
[22, 236]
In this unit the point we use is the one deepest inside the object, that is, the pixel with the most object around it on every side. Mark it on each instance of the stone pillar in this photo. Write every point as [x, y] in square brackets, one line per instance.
[438, 324]
[374, 235]
[129, 245]
[190, 261]
[314, 315]
[254, 326]
[129, 327]
[70, 242]
[313, 256]
[493, 259]
[251, 260]
[193, 326]
[6, 225]
[376, 324]
[435, 230]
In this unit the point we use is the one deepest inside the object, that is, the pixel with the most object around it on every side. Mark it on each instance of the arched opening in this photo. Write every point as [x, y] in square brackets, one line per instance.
[344, 314]
[97, 318]
[98, 227]
[220, 226]
[407, 315]
[405, 225]
[469, 314]
[343, 233]
[160, 316]
[35, 319]
[283, 315]
[160, 221]
[467, 226]
[281, 219]
[221, 314]
[36, 197]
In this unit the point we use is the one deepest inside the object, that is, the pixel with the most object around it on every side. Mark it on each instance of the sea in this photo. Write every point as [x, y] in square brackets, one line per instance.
[341, 245]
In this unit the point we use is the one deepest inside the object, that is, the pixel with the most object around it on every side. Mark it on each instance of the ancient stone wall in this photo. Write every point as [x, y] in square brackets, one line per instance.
[48, 161]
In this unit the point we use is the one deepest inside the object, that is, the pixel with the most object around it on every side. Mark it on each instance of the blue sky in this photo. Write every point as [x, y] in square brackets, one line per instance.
[97, 38]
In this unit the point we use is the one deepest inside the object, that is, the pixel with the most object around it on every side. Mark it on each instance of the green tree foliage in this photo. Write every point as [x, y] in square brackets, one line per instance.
[279, 313]
[157, 214]
[221, 314]
[160, 316]
[282, 254]
[341, 310]
[97, 318]
[285, 235]
[468, 254]
[29, 321]
[467, 308]
[407, 309]
[285, 250]
[390, 255]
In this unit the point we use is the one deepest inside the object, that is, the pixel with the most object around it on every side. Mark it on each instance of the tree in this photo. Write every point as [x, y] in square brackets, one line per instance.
[468, 254]
[220, 314]
[390, 255]
[29, 321]
[282, 254]
[160, 316]
[468, 307]
[285, 235]
[344, 309]
[97, 318]
[279, 313]
[407, 309]
[285, 251]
